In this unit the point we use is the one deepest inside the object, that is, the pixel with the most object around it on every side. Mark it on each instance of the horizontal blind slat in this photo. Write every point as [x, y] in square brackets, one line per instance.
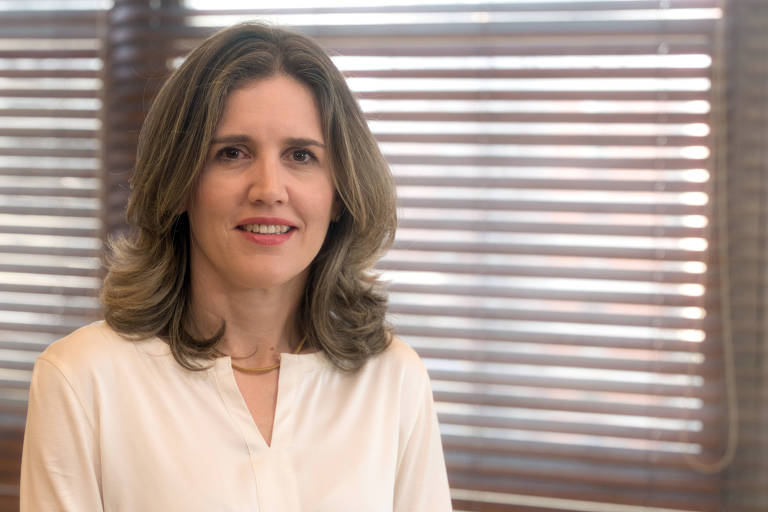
[656, 299]
[522, 6]
[548, 139]
[577, 428]
[559, 184]
[711, 391]
[512, 47]
[541, 117]
[57, 113]
[498, 400]
[512, 488]
[510, 248]
[536, 95]
[551, 315]
[612, 476]
[620, 364]
[548, 453]
[407, 330]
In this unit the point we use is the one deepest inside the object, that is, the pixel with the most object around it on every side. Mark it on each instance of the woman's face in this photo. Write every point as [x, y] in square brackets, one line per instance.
[265, 198]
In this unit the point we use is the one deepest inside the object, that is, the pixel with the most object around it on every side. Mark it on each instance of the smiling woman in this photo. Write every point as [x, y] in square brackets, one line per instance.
[244, 362]
[266, 196]
[240, 108]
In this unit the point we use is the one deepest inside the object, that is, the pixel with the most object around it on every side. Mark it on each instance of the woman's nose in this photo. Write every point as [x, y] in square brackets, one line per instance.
[266, 182]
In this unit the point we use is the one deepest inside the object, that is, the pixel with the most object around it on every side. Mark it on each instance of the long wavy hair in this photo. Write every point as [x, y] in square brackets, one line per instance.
[146, 290]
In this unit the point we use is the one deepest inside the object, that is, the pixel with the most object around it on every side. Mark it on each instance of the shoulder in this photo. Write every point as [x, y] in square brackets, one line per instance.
[401, 362]
[92, 341]
[89, 348]
[96, 363]
[401, 353]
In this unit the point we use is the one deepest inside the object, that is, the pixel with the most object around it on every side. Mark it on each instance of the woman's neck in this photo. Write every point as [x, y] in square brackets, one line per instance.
[259, 324]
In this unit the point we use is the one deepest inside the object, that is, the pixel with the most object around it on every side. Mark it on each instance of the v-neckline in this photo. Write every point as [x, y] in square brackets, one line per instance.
[293, 368]
[260, 394]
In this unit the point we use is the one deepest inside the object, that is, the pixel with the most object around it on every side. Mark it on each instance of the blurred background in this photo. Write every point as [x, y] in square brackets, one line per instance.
[582, 252]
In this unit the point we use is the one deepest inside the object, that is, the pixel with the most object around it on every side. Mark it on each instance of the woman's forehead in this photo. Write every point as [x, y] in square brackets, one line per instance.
[278, 104]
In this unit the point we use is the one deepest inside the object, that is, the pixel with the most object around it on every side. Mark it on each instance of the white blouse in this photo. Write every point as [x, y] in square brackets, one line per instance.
[116, 425]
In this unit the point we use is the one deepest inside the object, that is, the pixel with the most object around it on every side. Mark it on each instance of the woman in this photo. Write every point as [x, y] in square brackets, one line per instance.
[244, 362]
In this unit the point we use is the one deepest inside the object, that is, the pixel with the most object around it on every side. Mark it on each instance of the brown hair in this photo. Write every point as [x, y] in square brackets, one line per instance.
[146, 291]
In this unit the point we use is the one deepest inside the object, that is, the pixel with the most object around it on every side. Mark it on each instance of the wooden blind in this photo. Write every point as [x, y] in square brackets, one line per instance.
[50, 82]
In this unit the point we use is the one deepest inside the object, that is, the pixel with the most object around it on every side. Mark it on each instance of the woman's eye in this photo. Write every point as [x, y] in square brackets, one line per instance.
[230, 153]
[301, 155]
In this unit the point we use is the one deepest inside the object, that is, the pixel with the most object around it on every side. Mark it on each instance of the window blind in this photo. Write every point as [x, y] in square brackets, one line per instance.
[50, 238]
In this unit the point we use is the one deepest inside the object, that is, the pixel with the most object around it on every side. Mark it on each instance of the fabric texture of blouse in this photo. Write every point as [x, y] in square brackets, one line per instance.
[116, 425]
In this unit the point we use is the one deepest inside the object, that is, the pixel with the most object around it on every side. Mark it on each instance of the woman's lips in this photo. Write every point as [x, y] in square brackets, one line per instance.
[266, 230]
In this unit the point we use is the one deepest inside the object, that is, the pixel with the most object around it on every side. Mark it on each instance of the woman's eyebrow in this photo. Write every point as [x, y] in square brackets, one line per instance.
[231, 139]
[301, 141]
[290, 141]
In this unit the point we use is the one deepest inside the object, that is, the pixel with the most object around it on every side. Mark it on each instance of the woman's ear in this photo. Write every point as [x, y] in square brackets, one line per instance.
[336, 209]
[189, 196]
[183, 207]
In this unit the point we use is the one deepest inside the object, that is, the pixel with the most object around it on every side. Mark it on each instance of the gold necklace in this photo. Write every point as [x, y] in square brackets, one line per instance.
[267, 369]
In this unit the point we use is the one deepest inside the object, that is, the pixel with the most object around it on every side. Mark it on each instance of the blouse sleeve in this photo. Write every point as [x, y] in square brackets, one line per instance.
[422, 482]
[60, 463]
